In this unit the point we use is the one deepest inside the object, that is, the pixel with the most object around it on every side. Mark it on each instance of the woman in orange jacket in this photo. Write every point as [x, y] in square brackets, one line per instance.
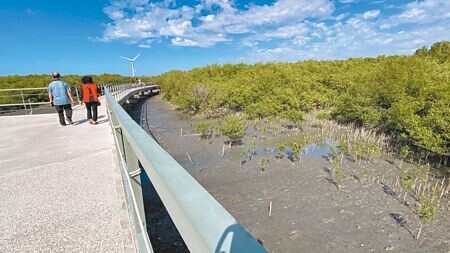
[89, 96]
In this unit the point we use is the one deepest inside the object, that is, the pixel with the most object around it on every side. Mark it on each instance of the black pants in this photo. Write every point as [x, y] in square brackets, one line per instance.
[61, 108]
[91, 109]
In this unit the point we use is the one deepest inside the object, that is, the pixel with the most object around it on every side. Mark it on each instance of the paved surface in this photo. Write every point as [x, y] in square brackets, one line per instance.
[60, 187]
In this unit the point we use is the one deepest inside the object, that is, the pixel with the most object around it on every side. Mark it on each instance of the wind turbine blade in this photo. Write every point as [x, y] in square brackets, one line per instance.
[136, 57]
[125, 58]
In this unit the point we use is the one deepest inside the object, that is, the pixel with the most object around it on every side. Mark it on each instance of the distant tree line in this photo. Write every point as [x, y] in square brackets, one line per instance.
[407, 96]
[37, 81]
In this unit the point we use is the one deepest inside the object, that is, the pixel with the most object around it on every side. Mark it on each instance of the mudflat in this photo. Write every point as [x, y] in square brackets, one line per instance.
[297, 205]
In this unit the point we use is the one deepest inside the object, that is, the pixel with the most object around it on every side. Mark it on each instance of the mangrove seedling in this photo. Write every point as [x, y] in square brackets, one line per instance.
[204, 129]
[407, 184]
[233, 128]
[426, 211]
[263, 162]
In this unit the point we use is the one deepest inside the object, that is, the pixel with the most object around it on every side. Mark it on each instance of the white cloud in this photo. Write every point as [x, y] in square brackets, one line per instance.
[371, 14]
[135, 20]
[285, 30]
[420, 12]
[177, 41]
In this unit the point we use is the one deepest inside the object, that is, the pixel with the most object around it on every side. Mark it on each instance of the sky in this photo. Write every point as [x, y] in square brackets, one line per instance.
[88, 37]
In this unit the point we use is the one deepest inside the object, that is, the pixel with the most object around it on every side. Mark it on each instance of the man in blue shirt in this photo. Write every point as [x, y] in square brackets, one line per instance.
[60, 96]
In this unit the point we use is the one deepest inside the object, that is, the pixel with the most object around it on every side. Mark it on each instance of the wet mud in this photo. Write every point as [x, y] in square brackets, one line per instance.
[295, 206]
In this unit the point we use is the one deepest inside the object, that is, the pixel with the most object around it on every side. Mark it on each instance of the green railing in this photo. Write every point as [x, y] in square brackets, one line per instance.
[203, 223]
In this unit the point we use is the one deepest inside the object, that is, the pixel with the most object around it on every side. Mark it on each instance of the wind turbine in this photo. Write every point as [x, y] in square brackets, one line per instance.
[132, 62]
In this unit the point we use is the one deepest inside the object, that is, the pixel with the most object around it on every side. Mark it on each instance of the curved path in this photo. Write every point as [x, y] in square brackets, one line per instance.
[60, 187]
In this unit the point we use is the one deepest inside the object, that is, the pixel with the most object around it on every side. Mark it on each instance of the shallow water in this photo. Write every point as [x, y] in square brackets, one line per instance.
[309, 150]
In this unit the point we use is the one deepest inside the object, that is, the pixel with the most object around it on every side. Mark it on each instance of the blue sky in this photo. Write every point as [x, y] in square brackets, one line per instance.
[88, 37]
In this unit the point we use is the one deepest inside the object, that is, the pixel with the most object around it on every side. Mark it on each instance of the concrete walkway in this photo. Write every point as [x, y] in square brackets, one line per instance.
[60, 187]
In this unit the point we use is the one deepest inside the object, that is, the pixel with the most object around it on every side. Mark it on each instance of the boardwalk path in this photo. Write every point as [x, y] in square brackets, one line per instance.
[60, 187]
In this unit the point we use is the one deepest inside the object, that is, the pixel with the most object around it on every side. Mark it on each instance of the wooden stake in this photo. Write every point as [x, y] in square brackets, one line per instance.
[270, 208]
[190, 159]
[418, 232]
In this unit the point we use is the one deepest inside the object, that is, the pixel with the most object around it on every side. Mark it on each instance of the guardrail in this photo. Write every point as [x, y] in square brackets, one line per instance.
[27, 98]
[203, 223]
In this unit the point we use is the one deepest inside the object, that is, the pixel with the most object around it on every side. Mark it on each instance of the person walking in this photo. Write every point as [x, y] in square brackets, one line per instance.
[60, 96]
[89, 97]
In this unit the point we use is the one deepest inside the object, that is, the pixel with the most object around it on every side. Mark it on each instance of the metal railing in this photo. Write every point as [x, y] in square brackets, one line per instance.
[28, 98]
[202, 222]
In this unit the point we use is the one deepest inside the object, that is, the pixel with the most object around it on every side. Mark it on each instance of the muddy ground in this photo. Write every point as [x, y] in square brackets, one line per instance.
[309, 213]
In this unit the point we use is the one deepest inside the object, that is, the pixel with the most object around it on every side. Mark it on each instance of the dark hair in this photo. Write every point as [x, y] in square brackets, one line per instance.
[86, 79]
[56, 75]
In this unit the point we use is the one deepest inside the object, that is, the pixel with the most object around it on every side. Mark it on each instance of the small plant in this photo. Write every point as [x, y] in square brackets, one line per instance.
[204, 129]
[339, 174]
[407, 184]
[358, 150]
[242, 155]
[373, 151]
[233, 128]
[295, 148]
[343, 146]
[281, 148]
[335, 152]
[263, 163]
[426, 211]
[404, 154]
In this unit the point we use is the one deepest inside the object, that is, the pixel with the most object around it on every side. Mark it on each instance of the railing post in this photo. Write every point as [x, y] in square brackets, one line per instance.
[23, 101]
[31, 108]
[133, 166]
[76, 92]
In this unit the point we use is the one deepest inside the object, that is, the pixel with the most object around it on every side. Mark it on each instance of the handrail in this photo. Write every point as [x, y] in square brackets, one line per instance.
[203, 223]
[134, 205]
[21, 101]
[20, 89]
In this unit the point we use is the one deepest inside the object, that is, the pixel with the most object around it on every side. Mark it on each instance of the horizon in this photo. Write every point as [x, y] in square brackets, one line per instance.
[84, 37]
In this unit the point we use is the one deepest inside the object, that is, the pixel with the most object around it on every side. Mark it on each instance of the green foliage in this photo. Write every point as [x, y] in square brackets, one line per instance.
[294, 116]
[296, 146]
[281, 147]
[439, 50]
[263, 162]
[406, 181]
[426, 210]
[233, 127]
[373, 150]
[343, 146]
[406, 96]
[204, 129]
[339, 174]
[323, 116]
[358, 149]
[404, 152]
